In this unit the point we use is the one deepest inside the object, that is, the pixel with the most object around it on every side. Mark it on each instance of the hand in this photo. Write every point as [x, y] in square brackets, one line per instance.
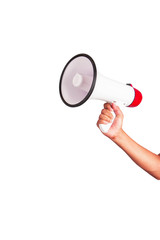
[106, 117]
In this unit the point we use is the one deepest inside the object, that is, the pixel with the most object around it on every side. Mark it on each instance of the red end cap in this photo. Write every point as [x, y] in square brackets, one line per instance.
[137, 99]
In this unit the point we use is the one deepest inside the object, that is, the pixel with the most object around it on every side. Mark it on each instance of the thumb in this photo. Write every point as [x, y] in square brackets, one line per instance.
[117, 110]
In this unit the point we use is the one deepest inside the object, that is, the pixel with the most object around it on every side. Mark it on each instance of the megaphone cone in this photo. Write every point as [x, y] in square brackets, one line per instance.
[80, 81]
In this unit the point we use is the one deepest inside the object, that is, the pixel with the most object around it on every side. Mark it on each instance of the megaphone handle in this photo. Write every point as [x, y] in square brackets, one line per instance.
[105, 127]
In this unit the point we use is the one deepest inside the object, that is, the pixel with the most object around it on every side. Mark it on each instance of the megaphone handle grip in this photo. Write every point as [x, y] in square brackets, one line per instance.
[105, 127]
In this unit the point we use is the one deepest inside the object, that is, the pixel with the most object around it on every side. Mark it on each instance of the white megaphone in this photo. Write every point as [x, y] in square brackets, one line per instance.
[80, 81]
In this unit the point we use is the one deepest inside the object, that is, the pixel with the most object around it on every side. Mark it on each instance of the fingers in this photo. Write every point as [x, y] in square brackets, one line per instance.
[108, 106]
[113, 107]
[100, 121]
[106, 115]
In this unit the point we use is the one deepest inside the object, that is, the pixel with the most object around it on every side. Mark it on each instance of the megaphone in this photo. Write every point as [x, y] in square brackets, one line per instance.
[80, 81]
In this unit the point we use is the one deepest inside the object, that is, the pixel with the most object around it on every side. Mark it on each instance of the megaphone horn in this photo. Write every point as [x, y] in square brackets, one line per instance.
[80, 81]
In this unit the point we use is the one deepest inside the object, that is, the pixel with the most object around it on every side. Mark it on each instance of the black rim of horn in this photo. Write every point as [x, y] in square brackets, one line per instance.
[93, 82]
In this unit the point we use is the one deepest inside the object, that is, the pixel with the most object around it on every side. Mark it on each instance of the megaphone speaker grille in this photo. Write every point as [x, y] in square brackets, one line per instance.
[78, 80]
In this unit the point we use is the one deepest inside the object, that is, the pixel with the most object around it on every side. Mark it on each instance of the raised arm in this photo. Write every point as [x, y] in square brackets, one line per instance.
[145, 159]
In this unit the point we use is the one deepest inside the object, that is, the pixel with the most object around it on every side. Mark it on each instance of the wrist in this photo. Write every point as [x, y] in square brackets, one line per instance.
[119, 136]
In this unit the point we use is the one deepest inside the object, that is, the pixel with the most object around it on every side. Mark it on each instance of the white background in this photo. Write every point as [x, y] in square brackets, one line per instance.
[60, 178]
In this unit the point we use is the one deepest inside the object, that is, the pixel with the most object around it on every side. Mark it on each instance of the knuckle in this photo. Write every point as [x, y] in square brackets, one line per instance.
[103, 111]
[101, 116]
[107, 105]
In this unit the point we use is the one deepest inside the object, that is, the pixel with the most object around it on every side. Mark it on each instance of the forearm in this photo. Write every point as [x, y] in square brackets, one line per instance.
[147, 160]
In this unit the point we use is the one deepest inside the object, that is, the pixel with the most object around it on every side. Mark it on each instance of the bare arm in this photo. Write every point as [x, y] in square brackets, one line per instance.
[145, 159]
